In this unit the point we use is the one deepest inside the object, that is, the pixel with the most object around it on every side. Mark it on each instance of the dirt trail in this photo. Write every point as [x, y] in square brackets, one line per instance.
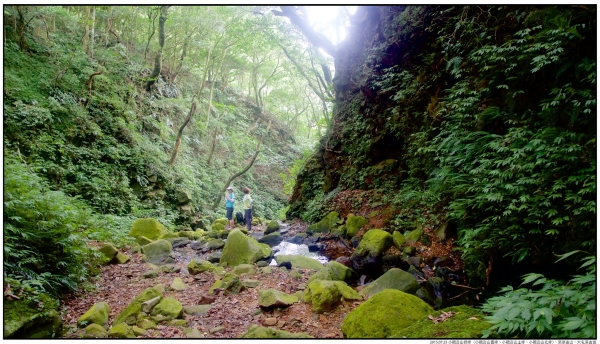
[230, 315]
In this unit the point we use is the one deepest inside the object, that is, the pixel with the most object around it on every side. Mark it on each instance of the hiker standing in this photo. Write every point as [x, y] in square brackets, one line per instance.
[229, 200]
[247, 200]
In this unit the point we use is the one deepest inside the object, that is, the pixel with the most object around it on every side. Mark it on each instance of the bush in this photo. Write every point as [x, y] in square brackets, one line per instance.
[43, 251]
[553, 309]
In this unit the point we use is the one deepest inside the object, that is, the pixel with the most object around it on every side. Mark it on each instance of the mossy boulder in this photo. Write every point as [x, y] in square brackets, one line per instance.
[242, 249]
[256, 331]
[147, 324]
[168, 307]
[398, 239]
[139, 332]
[196, 310]
[95, 331]
[97, 314]
[393, 279]
[23, 318]
[218, 227]
[121, 330]
[272, 239]
[222, 221]
[275, 298]
[121, 258]
[158, 251]
[169, 235]
[247, 269]
[354, 224]
[415, 235]
[178, 284]
[129, 314]
[467, 322]
[323, 226]
[334, 271]
[149, 228]
[300, 262]
[272, 226]
[384, 314]
[367, 255]
[143, 241]
[197, 266]
[326, 295]
[109, 251]
[183, 197]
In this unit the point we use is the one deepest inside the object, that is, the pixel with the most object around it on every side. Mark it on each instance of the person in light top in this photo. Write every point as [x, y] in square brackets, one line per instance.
[247, 201]
[229, 201]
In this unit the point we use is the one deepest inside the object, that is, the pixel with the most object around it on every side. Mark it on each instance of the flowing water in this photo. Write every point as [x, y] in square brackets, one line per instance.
[293, 249]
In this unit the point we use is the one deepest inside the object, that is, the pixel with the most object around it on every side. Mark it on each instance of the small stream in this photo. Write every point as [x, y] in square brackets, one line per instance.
[285, 248]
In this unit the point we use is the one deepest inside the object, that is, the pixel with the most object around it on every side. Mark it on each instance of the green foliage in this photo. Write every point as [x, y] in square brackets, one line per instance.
[550, 309]
[43, 249]
[289, 179]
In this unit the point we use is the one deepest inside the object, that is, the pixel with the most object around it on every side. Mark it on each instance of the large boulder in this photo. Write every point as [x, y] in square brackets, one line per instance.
[415, 235]
[323, 226]
[157, 251]
[326, 295]
[272, 226]
[334, 271]
[129, 314]
[299, 262]
[121, 330]
[354, 224]
[272, 239]
[149, 228]
[183, 197]
[23, 319]
[197, 266]
[95, 331]
[256, 331]
[169, 308]
[242, 249]
[398, 239]
[393, 279]
[275, 298]
[97, 314]
[466, 322]
[109, 251]
[384, 314]
[367, 256]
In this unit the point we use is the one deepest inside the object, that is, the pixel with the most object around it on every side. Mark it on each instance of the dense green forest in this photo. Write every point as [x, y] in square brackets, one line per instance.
[451, 145]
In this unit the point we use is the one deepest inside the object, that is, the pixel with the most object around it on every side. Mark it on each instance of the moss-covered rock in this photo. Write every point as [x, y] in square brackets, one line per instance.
[139, 332]
[242, 249]
[97, 314]
[384, 314]
[218, 227]
[272, 239]
[169, 235]
[157, 251]
[272, 226]
[178, 323]
[393, 279]
[275, 298]
[121, 330]
[256, 331]
[147, 324]
[168, 307]
[247, 269]
[150, 274]
[149, 228]
[23, 318]
[121, 258]
[398, 239]
[415, 235]
[95, 331]
[223, 221]
[215, 244]
[251, 283]
[196, 310]
[129, 314]
[334, 271]
[196, 266]
[367, 256]
[323, 226]
[300, 262]
[178, 284]
[109, 251]
[466, 323]
[191, 235]
[326, 295]
[143, 241]
[183, 197]
[354, 224]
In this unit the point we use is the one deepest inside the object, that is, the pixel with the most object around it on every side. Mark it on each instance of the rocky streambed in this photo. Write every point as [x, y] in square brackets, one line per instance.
[287, 292]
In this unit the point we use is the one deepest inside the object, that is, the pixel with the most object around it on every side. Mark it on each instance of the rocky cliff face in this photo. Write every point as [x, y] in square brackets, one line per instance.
[476, 118]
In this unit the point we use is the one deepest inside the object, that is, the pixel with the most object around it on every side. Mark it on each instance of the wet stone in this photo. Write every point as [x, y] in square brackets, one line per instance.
[270, 321]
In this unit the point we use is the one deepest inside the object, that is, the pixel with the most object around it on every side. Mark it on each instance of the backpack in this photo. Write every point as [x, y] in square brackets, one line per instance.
[239, 218]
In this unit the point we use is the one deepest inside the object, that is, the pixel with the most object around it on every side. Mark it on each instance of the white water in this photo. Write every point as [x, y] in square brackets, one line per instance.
[300, 250]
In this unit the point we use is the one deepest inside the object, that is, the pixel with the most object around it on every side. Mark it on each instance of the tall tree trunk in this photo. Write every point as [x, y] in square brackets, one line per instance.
[151, 34]
[92, 32]
[161, 41]
[212, 149]
[180, 132]
[212, 86]
[86, 30]
[183, 53]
